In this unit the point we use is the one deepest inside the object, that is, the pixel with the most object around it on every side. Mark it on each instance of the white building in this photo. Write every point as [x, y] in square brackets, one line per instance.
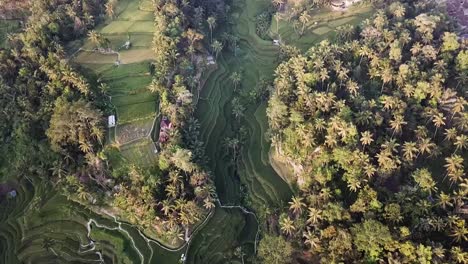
[340, 5]
[111, 121]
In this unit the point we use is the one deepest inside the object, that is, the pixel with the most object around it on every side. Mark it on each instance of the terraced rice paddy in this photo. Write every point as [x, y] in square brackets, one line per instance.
[40, 226]
[136, 108]
[256, 59]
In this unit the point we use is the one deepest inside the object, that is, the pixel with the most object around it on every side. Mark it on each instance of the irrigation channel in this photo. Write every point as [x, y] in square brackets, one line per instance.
[42, 226]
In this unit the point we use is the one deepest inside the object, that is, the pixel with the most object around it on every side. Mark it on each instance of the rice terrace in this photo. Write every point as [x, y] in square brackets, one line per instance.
[233, 131]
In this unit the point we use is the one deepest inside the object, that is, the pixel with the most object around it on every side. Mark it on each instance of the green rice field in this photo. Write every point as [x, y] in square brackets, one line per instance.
[264, 187]
[42, 226]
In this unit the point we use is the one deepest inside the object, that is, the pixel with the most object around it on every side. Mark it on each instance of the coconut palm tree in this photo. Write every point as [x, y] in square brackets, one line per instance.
[110, 8]
[296, 205]
[450, 134]
[314, 215]
[459, 255]
[182, 160]
[166, 207]
[459, 231]
[444, 200]
[311, 240]
[397, 124]
[95, 38]
[208, 203]
[304, 18]
[439, 120]
[83, 195]
[461, 142]
[425, 145]
[366, 138]
[278, 3]
[217, 47]
[410, 151]
[211, 24]
[287, 226]
[237, 108]
[352, 87]
[235, 79]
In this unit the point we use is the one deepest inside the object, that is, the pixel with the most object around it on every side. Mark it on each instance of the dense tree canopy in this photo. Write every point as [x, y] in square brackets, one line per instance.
[375, 127]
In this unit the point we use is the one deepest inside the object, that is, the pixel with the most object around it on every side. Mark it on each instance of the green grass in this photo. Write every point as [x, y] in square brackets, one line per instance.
[142, 27]
[321, 30]
[94, 58]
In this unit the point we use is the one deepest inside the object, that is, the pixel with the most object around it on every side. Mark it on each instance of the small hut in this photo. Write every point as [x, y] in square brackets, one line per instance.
[111, 121]
[338, 4]
[210, 60]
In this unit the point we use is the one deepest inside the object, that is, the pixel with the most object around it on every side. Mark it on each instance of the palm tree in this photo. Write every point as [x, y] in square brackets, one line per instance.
[410, 151]
[458, 106]
[193, 36]
[278, 3]
[304, 18]
[386, 76]
[217, 47]
[366, 138]
[172, 191]
[314, 215]
[454, 167]
[352, 87]
[397, 124]
[82, 194]
[110, 8]
[426, 146]
[450, 134]
[237, 108]
[287, 226]
[94, 37]
[439, 120]
[459, 231]
[182, 160]
[312, 240]
[459, 255]
[461, 142]
[296, 205]
[154, 87]
[166, 207]
[211, 24]
[398, 10]
[324, 75]
[235, 79]
[444, 200]
[208, 203]
[233, 144]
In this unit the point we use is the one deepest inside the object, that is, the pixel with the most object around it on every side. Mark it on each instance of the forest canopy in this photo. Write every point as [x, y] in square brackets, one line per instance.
[375, 126]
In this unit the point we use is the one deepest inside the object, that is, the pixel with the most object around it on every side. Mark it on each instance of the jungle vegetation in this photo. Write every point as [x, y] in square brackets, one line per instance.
[375, 126]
